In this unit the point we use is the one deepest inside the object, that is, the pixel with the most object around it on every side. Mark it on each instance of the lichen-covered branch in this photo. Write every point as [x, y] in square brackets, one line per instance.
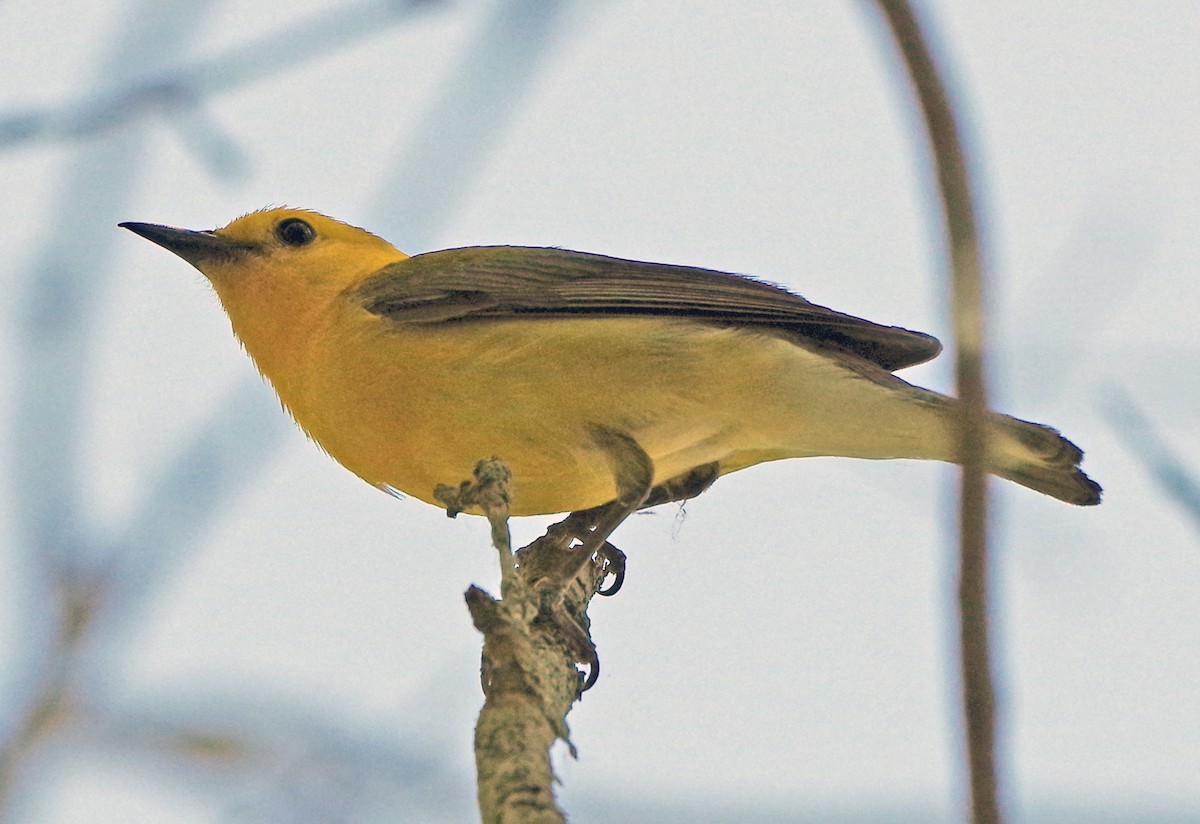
[533, 638]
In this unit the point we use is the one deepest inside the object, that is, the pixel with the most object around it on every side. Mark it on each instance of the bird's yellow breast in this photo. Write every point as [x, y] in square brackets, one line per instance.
[412, 406]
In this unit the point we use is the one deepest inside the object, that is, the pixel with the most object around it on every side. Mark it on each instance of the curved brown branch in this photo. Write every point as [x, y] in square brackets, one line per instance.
[966, 273]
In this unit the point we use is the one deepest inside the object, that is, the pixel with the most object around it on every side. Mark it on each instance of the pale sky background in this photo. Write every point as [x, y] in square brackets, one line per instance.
[785, 647]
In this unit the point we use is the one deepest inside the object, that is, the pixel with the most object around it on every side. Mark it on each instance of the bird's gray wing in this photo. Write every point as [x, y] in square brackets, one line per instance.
[480, 282]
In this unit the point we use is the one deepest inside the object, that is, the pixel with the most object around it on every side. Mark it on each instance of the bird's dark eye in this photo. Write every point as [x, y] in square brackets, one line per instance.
[295, 232]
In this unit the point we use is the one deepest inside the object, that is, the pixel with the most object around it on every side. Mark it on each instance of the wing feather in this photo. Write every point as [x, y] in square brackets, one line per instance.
[482, 282]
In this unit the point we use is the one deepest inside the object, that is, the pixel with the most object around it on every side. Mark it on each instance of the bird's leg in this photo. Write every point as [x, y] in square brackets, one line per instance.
[633, 473]
[579, 524]
[574, 528]
[683, 487]
[579, 538]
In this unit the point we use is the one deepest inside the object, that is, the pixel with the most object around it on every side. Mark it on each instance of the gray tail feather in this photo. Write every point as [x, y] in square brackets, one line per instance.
[1050, 463]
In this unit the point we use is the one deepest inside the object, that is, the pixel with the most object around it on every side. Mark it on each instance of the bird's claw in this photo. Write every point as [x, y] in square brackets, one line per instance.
[593, 673]
[579, 641]
[614, 565]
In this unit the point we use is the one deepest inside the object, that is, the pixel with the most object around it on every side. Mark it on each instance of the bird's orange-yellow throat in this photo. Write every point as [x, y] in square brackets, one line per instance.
[409, 370]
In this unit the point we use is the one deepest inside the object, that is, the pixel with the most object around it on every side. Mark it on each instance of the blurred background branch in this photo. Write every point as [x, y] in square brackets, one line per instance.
[179, 88]
[926, 71]
[1137, 432]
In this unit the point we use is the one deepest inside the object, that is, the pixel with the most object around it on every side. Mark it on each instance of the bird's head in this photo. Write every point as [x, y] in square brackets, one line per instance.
[275, 249]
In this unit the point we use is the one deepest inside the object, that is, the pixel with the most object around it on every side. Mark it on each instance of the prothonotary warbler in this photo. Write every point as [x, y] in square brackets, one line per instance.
[595, 379]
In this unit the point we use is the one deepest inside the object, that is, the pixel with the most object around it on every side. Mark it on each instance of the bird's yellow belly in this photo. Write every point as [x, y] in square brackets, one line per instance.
[417, 406]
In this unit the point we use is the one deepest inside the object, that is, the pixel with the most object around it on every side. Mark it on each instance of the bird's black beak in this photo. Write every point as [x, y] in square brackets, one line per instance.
[197, 248]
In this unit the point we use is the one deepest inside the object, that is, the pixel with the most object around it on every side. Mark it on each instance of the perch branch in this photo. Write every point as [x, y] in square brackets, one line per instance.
[532, 640]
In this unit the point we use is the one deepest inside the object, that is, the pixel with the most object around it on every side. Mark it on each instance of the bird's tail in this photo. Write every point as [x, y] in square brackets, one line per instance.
[1040, 458]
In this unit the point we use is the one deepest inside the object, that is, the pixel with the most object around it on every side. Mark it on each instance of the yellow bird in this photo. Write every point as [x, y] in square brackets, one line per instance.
[595, 379]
